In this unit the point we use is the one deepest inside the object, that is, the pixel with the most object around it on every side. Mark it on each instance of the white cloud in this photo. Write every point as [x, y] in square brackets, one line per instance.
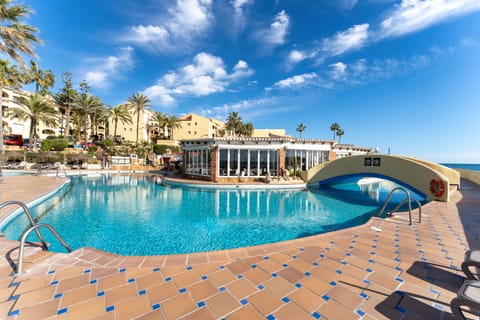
[249, 109]
[101, 71]
[348, 4]
[276, 34]
[206, 75]
[338, 70]
[238, 7]
[295, 80]
[184, 23]
[296, 56]
[351, 39]
[414, 15]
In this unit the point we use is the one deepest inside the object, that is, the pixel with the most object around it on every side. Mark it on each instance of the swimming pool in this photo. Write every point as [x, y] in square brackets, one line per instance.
[131, 215]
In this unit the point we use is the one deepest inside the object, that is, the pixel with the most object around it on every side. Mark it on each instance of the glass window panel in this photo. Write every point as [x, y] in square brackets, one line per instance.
[263, 162]
[234, 171]
[254, 163]
[223, 167]
[243, 162]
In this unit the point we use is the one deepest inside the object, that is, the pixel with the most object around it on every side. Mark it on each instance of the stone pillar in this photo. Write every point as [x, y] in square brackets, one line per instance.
[213, 163]
[281, 161]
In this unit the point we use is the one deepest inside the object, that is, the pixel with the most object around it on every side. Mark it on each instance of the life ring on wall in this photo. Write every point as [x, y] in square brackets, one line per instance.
[436, 187]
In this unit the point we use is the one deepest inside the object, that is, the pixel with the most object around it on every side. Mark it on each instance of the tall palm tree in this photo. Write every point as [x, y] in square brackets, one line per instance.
[300, 128]
[139, 103]
[16, 38]
[234, 123]
[65, 98]
[119, 113]
[160, 119]
[172, 123]
[36, 109]
[334, 127]
[10, 75]
[85, 104]
[43, 79]
[340, 133]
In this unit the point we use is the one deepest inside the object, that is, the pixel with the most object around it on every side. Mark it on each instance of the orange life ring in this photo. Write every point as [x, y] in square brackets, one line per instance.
[436, 187]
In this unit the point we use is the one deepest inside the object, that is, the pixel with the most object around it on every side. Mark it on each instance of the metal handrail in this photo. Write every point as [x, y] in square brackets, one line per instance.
[19, 268]
[29, 216]
[58, 168]
[401, 203]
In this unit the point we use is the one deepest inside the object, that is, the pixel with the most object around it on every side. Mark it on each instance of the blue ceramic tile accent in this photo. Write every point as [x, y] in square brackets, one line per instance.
[221, 288]
[168, 279]
[51, 272]
[363, 295]
[343, 262]
[298, 285]
[131, 280]
[423, 259]
[325, 297]
[87, 271]
[439, 307]
[109, 308]
[369, 270]
[244, 301]
[333, 283]
[398, 269]
[316, 315]
[189, 268]
[14, 284]
[266, 258]
[156, 306]
[434, 291]
[307, 274]
[399, 279]
[93, 281]
[400, 309]
[302, 249]
[294, 257]
[360, 312]
[338, 271]
[54, 283]
[122, 270]
[260, 287]
[13, 313]
[182, 290]
[322, 255]
[371, 261]
[274, 275]
[327, 249]
[315, 264]
[285, 299]
[200, 304]
[366, 281]
[204, 277]
[101, 293]
[240, 276]
[254, 266]
[58, 295]
[62, 311]
[15, 297]
[374, 246]
[285, 265]
[348, 254]
[396, 259]
[142, 292]
[156, 269]
[373, 252]
[271, 317]
[222, 267]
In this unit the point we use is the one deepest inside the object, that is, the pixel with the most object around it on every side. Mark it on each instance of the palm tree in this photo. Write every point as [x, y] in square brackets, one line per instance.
[36, 109]
[85, 105]
[300, 128]
[10, 76]
[139, 103]
[43, 79]
[247, 129]
[172, 123]
[234, 123]
[340, 133]
[119, 113]
[334, 127]
[65, 97]
[16, 38]
[161, 122]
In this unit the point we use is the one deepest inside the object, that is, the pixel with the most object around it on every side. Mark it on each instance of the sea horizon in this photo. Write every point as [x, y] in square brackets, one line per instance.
[468, 166]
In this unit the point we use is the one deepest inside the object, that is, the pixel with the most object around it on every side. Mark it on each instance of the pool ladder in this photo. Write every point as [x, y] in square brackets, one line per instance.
[33, 227]
[408, 199]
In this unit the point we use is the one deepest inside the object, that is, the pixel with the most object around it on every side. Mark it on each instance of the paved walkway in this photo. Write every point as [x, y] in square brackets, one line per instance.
[384, 269]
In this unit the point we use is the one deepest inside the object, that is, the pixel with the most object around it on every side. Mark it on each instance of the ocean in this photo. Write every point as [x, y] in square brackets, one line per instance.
[468, 166]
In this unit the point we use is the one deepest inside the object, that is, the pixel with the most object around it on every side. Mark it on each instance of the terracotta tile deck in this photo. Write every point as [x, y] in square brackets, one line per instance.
[384, 269]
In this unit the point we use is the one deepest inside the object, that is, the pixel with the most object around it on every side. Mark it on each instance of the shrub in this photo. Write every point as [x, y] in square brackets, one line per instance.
[54, 145]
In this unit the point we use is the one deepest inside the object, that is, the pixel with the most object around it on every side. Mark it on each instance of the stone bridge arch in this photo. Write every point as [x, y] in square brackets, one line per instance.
[427, 178]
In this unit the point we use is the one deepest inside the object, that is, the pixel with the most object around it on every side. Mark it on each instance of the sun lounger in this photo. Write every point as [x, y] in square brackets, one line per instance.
[472, 260]
[467, 300]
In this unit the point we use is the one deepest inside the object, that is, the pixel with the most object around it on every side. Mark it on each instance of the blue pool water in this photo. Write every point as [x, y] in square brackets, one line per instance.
[131, 215]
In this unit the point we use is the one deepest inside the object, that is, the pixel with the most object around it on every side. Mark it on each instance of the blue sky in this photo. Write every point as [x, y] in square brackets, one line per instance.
[399, 75]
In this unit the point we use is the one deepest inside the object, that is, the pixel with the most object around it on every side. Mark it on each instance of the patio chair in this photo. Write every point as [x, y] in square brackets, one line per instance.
[467, 300]
[472, 260]
[21, 165]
